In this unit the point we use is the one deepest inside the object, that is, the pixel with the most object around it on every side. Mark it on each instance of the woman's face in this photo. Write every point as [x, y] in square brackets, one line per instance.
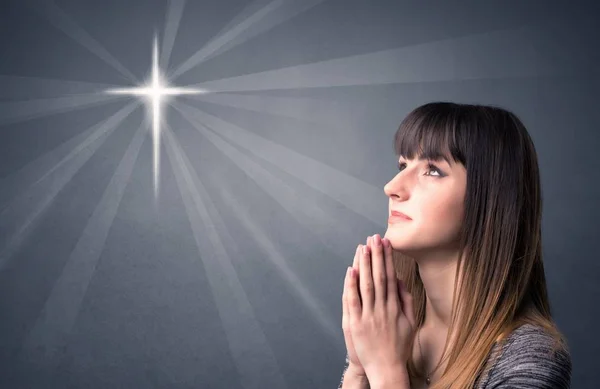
[431, 194]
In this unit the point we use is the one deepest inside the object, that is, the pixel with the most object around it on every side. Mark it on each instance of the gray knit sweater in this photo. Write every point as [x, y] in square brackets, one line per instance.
[525, 361]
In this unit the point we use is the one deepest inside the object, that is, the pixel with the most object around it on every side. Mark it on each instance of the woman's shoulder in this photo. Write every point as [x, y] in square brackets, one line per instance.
[530, 357]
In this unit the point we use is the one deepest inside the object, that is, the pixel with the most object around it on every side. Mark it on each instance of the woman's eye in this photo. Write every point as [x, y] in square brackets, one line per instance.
[431, 167]
[434, 169]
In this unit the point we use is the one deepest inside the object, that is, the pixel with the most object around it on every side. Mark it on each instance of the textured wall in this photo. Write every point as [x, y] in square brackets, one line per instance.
[213, 256]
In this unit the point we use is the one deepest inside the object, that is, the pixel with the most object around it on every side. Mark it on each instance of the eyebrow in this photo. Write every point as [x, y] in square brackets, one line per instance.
[421, 159]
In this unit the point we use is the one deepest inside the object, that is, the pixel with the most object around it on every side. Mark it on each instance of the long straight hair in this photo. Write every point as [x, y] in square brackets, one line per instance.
[500, 282]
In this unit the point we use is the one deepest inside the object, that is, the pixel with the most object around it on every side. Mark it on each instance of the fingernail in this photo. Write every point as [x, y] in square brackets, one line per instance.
[385, 242]
[377, 239]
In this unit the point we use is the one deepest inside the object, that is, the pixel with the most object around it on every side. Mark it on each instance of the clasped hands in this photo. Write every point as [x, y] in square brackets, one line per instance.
[378, 317]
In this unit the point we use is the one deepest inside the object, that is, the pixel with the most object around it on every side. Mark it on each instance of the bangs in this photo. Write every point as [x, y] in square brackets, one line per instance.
[430, 134]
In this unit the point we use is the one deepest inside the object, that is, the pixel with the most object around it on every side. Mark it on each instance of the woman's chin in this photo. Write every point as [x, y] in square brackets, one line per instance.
[401, 243]
[398, 239]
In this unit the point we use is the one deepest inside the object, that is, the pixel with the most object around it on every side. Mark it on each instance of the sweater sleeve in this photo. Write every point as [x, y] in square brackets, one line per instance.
[344, 372]
[530, 361]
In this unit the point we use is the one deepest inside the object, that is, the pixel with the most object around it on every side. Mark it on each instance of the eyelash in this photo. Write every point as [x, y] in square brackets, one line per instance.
[430, 166]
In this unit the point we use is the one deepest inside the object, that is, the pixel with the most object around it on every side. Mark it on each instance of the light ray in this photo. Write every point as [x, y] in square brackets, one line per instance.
[273, 254]
[59, 19]
[472, 57]
[248, 10]
[44, 343]
[156, 97]
[263, 19]
[308, 213]
[277, 258]
[17, 183]
[243, 332]
[221, 40]
[172, 25]
[23, 88]
[157, 92]
[19, 111]
[358, 196]
[22, 213]
[311, 110]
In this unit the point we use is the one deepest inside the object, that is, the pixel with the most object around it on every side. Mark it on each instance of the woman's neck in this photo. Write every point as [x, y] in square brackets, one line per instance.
[438, 277]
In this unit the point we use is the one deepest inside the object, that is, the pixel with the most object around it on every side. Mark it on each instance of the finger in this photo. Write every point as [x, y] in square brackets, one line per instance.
[356, 263]
[358, 256]
[345, 312]
[407, 304]
[378, 266]
[392, 280]
[354, 303]
[366, 280]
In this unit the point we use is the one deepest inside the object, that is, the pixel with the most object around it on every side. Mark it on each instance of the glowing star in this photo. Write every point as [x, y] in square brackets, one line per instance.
[156, 92]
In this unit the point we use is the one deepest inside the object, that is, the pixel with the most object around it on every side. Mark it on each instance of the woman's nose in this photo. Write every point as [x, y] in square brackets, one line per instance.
[396, 187]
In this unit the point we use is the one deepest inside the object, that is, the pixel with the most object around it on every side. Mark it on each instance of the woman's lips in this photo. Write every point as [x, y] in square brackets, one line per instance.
[397, 217]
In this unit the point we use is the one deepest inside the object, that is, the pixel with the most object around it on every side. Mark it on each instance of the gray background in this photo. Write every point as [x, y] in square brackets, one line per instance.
[232, 276]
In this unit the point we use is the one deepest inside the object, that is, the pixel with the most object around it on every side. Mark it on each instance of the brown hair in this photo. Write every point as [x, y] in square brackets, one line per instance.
[500, 282]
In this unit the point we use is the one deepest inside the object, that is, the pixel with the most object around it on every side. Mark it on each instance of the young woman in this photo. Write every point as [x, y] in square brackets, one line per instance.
[454, 295]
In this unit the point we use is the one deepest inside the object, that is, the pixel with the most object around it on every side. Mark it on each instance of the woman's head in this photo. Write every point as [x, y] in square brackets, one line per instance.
[430, 190]
[476, 192]
[458, 163]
